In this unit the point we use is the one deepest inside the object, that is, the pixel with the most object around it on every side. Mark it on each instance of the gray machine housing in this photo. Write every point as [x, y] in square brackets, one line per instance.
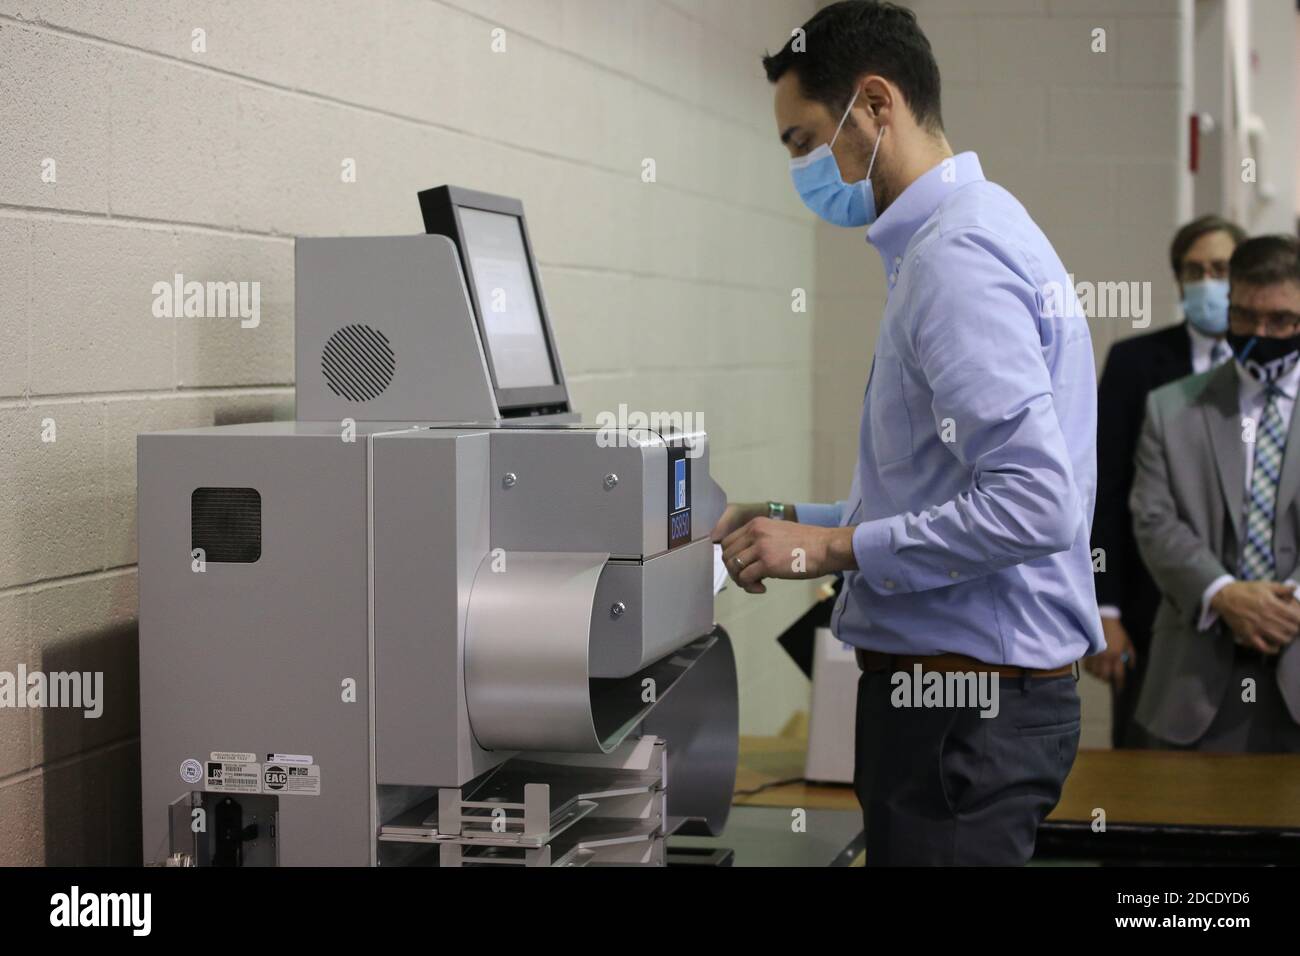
[436, 591]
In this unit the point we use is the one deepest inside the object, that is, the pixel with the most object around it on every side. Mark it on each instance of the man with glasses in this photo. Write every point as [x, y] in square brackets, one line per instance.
[1127, 598]
[1216, 518]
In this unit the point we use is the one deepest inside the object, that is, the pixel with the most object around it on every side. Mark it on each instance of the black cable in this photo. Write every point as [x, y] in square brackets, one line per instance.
[769, 785]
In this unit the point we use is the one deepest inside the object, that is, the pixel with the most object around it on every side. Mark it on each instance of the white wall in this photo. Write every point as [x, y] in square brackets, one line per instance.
[1091, 143]
[673, 295]
[1244, 63]
[1274, 83]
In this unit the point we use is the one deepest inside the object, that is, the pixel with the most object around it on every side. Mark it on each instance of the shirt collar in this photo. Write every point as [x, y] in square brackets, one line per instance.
[1204, 346]
[1199, 338]
[1288, 384]
[894, 228]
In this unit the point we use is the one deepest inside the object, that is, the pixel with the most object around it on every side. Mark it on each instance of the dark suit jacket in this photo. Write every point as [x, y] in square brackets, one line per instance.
[1134, 367]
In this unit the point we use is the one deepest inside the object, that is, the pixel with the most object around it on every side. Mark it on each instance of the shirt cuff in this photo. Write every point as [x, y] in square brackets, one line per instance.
[878, 565]
[1210, 617]
[822, 515]
[1108, 611]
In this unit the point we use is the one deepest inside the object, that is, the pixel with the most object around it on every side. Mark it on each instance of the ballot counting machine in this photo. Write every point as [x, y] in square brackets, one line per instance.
[435, 620]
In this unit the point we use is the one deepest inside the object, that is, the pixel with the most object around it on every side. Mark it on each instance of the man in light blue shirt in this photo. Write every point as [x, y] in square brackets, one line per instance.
[964, 543]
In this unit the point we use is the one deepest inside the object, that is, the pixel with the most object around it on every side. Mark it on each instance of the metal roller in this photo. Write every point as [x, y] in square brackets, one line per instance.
[527, 659]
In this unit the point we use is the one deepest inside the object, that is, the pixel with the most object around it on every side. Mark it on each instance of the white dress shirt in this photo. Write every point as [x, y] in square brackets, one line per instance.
[1204, 348]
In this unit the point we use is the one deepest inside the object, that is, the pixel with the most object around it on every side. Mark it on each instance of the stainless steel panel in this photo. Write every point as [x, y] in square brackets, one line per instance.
[410, 289]
[559, 500]
[251, 657]
[430, 533]
[667, 602]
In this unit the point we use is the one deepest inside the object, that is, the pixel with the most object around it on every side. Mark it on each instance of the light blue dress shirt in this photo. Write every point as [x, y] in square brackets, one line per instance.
[977, 467]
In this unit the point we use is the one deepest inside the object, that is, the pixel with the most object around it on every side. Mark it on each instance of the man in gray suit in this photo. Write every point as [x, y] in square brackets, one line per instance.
[1217, 520]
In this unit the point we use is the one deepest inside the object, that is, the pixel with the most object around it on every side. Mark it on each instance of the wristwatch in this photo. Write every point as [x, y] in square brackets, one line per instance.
[776, 510]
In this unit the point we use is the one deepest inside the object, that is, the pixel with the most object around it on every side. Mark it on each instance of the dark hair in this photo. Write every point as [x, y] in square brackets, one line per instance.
[1186, 237]
[1265, 260]
[852, 37]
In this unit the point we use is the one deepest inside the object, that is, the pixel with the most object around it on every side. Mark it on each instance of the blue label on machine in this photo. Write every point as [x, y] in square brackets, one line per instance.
[679, 497]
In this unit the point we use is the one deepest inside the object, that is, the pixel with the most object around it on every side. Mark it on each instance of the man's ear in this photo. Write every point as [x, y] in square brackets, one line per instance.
[878, 96]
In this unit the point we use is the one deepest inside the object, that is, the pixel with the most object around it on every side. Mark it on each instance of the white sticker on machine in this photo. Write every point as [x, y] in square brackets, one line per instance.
[289, 758]
[291, 780]
[232, 756]
[229, 776]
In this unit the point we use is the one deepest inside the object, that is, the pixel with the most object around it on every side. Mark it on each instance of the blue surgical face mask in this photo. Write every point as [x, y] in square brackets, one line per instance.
[1205, 303]
[819, 184]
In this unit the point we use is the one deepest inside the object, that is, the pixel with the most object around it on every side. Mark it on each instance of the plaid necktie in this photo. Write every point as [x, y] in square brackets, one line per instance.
[1261, 504]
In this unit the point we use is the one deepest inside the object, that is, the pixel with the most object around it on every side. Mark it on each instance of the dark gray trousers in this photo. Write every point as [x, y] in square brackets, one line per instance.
[943, 786]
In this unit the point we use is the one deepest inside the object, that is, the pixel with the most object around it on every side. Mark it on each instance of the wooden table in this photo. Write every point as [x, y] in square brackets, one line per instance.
[1178, 806]
[1160, 806]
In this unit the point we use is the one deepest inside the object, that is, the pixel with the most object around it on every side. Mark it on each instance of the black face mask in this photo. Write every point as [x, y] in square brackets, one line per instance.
[1266, 359]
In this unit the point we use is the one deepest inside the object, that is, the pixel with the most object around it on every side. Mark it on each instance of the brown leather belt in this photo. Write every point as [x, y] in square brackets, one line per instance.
[872, 661]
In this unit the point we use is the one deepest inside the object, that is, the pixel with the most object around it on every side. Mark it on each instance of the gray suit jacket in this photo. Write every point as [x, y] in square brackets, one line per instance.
[1188, 514]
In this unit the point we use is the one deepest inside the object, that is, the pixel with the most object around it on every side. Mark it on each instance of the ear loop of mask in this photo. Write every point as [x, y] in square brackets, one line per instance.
[847, 109]
[872, 164]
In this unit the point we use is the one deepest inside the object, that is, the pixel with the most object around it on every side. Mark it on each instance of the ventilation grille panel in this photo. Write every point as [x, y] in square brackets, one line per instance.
[227, 524]
[358, 363]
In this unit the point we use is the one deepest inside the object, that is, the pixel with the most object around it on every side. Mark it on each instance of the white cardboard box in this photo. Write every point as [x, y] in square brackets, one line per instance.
[834, 709]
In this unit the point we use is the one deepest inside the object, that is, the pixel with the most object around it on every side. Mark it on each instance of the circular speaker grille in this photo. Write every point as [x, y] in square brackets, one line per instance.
[358, 363]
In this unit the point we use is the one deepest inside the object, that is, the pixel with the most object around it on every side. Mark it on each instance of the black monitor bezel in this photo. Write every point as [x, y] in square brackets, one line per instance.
[440, 208]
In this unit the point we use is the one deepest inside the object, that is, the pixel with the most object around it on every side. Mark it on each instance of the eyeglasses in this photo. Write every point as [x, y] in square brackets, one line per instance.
[1277, 324]
[1196, 271]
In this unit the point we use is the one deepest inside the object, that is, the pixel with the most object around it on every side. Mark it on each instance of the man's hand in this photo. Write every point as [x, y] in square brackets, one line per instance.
[736, 517]
[1110, 665]
[764, 548]
[1263, 615]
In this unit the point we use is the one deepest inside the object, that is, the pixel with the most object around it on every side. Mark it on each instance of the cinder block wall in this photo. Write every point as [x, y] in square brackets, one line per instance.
[669, 295]
[1093, 144]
